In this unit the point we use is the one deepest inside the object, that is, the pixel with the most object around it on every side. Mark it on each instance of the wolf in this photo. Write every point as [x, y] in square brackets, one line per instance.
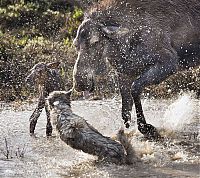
[76, 132]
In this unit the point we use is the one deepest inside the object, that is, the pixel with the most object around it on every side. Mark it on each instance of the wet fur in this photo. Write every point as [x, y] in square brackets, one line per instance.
[76, 132]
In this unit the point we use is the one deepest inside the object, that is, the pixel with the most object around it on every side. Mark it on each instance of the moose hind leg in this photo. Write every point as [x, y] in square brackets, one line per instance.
[49, 127]
[154, 75]
[127, 101]
[34, 117]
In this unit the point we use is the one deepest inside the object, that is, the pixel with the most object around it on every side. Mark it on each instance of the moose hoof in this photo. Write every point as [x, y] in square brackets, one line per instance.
[31, 131]
[149, 132]
[127, 124]
[48, 132]
[32, 126]
[33, 135]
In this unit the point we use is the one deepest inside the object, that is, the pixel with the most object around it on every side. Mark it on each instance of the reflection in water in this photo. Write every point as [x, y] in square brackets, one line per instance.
[176, 156]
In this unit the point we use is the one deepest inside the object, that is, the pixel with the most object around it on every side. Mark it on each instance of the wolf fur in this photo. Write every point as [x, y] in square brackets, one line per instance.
[76, 132]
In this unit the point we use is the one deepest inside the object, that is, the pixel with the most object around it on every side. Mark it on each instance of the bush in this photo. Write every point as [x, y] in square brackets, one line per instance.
[31, 32]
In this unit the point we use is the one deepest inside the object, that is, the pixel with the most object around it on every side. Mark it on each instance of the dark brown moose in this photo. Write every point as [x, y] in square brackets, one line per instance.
[145, 41]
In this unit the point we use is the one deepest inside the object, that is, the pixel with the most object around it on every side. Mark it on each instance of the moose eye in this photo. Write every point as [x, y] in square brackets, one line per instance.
[83, 33]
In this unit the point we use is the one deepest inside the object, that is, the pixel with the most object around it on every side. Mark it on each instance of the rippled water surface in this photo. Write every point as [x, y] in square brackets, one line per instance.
[176, 156]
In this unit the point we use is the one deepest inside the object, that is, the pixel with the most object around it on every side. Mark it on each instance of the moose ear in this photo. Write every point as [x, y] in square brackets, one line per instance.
[115, 31]
[53, 65]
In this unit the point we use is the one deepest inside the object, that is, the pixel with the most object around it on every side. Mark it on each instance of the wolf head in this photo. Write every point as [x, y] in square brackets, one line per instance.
[59, 99]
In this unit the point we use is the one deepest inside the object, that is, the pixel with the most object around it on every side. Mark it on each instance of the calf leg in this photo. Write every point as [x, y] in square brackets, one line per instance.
[48, 126]
[127, 101]
[34, 117]
[154, 75]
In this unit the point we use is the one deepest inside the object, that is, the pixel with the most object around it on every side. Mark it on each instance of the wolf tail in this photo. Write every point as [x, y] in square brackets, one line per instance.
[130, 153]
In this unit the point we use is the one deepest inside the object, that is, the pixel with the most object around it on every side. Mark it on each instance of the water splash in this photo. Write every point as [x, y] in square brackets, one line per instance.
[179, 113]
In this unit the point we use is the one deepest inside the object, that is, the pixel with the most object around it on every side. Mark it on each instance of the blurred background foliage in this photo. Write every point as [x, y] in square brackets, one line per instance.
[33, 31]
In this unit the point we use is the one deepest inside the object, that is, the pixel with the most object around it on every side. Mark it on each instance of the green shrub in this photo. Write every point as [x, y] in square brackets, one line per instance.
[31, 32]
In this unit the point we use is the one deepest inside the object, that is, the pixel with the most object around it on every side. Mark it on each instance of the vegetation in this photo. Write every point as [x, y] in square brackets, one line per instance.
[33, 31]
[42, 30]
[9, 151]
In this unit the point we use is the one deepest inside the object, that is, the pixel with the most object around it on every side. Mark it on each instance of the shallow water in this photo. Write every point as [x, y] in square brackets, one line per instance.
[176, 156]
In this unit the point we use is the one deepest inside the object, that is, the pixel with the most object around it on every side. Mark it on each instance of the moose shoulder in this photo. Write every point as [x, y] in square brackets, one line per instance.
[145, 41]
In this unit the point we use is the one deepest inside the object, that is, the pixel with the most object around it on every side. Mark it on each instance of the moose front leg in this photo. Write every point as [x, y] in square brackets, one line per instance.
[49, 127]
[34, 117]
[127, 101]
[154, 75]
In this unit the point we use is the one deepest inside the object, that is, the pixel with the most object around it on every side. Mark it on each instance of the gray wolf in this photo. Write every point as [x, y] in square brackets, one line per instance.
[76, 132]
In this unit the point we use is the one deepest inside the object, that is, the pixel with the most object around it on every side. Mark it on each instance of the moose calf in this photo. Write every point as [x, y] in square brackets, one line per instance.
[46, 78]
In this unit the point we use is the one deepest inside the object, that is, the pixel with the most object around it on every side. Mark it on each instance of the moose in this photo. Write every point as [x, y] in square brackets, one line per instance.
[145, 41]
[46, 78]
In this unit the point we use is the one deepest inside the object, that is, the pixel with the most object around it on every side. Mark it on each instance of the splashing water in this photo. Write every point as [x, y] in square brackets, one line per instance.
[179, 113]
[50, 157]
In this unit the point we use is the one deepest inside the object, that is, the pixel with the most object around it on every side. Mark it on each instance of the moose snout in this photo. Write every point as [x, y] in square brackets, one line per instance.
[83, 84]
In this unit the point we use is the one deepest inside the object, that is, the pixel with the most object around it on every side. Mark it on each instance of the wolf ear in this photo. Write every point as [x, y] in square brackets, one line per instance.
[49, 101]
[53, 65]
[114, 31]
[68, 96]
[68, 93]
